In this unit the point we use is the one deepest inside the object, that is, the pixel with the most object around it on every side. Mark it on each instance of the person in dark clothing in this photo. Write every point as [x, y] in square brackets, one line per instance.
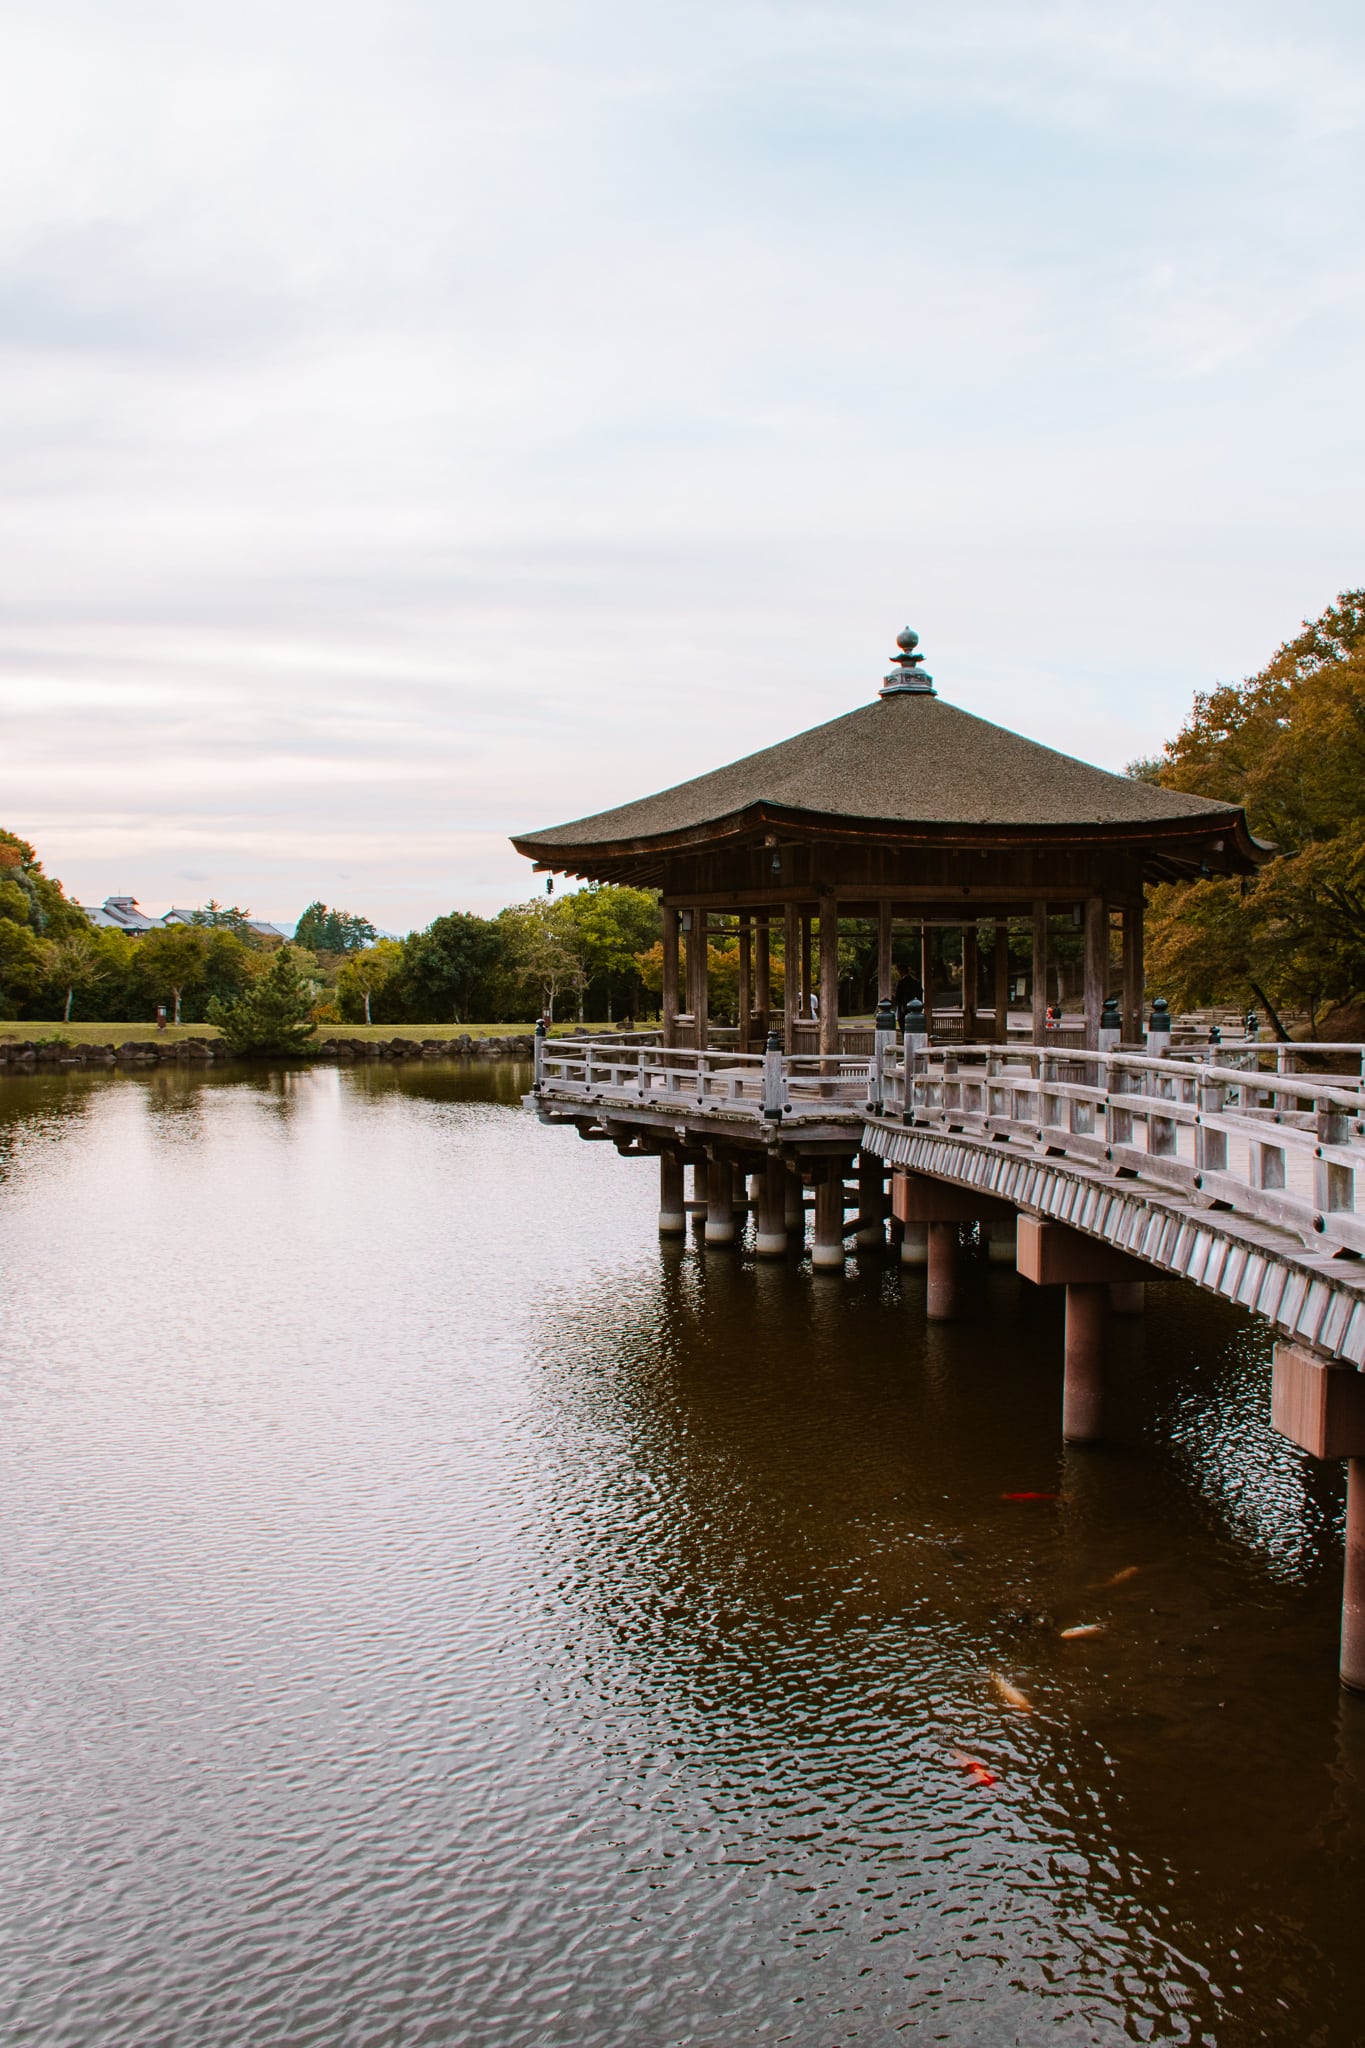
[909, 989]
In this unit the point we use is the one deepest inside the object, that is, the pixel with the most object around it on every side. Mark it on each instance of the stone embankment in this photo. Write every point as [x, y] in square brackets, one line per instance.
[24, 1055]
[463, 1047]
[21, 1055]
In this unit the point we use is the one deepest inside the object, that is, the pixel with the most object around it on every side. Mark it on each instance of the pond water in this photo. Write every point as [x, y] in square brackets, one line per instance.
[433, 1613]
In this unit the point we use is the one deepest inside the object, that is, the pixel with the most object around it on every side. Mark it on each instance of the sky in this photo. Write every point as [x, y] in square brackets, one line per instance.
[422, 421]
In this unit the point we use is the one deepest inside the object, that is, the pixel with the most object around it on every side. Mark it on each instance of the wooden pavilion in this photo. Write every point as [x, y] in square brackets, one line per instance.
[907, 809]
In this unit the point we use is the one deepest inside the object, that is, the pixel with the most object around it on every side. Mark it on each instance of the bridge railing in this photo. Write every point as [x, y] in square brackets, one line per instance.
[615, 1071]
[1286, 1148]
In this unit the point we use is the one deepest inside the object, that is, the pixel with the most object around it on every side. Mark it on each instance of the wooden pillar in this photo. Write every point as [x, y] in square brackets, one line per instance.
[672, 1209]
[763, 993]
[745, 974]
[886, 980]
[1002, 980]
[970, 971]
[941, 1303]
[1039, 972]
[926, 973]
[871, 1225]
[700, 1192]
[806, 984]
[1353, 1591]
[720, 1202]
[771, 1241]
[1087, 1324]
[1096, 966]
[792, 973]
[827, 1250]
[829, 974]
[794, 1203]
[669, 998]
[697, 957]
[1132, 972]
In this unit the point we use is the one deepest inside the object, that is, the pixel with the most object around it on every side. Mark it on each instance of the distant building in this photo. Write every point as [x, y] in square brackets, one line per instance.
[121, 914]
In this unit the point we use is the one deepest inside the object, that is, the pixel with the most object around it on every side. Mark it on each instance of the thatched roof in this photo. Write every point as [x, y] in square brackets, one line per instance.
[907, 761]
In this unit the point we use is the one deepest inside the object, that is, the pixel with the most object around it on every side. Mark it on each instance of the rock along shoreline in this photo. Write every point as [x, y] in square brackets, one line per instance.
[22, 1055]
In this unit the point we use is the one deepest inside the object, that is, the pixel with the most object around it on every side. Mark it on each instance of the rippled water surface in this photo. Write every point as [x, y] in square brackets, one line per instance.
[434, 1614]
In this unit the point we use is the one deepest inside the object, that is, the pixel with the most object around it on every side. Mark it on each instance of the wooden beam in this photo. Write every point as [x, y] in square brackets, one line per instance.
[829, 974]
[1039, 971]
[1002, 980]
[763, 977]
[1132, 971]
[745, 972]
[791, 972]
[1096, 966]
[669, 999]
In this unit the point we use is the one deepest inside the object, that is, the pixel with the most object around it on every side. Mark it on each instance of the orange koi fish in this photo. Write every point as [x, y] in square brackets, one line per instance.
[975, 1770]
[1035, 1496]
[1011, 1694]
[1082, 1628]
[1130, 1571]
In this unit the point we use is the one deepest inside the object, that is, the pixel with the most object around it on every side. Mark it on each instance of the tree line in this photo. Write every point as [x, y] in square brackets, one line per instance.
[1289, 745]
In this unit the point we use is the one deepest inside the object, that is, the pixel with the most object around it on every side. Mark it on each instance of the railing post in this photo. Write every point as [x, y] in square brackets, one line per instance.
[1111, 1025]
[883, 1038]
[1334, 1187]
[1159, 1029]
[1118, 1123]
[1210, 1147]
[916, 1046]
[774, 1079]
[539, 1056]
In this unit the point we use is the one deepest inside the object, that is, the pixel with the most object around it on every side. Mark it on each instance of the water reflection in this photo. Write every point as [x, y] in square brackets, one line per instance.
[436, 1613]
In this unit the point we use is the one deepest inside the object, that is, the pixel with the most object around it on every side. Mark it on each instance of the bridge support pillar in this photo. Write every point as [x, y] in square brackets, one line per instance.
[771, 1242]
[672, 1210]
[720, 1202]
[871, 1225]
[915, 1245]
[827, 1251]
[700, 1193]
[1051, 1255]
[1087, 1326]
[794, 1203]
[1320, 1406]
[942, 1302]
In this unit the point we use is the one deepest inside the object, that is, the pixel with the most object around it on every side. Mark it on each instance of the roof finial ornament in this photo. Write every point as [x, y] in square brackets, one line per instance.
[907, 677]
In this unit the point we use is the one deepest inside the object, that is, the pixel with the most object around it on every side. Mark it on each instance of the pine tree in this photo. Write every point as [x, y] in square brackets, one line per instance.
[273, 1015]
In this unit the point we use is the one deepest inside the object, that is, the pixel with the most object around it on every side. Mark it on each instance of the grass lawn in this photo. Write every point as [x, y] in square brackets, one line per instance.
[35, 1031]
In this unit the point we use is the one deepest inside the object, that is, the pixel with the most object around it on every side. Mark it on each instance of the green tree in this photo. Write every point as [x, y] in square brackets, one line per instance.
[544, 948]
[272, 1015]
[364, 976]
[333, 931]
[77, 962]
[25, 965]
[449, 969]
[607, 928]
[172, 961]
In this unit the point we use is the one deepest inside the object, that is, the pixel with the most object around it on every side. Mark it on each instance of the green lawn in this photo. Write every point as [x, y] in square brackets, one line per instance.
[119, 1034]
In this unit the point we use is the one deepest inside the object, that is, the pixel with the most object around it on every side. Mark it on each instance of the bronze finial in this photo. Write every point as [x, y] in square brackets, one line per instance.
[907, 676]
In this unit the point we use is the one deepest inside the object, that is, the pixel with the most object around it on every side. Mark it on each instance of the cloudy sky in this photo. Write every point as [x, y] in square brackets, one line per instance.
[423, 420]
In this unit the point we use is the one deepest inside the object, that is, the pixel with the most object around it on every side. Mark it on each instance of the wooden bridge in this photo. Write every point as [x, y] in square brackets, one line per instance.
[1230, 1166]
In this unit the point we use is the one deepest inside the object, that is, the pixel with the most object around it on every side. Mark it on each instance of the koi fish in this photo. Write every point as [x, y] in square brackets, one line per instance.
[1011, 1694]
[1083, 1628]
[976, 1771]
[1035, 1496]
[1130, 1571]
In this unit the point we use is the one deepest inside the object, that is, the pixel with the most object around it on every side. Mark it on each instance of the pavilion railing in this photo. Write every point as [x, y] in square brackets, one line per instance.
[1240, 1129]
[617, 1072]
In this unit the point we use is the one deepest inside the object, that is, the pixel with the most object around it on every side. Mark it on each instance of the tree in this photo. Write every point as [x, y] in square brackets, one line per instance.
[449, 967]
[172, 960]
[25, 964]
[607, 928]
[1289, 744]
[333, 931]
[219, 917]
[539, 936]
[272, 1015]
[77, 962]
[363, 976]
